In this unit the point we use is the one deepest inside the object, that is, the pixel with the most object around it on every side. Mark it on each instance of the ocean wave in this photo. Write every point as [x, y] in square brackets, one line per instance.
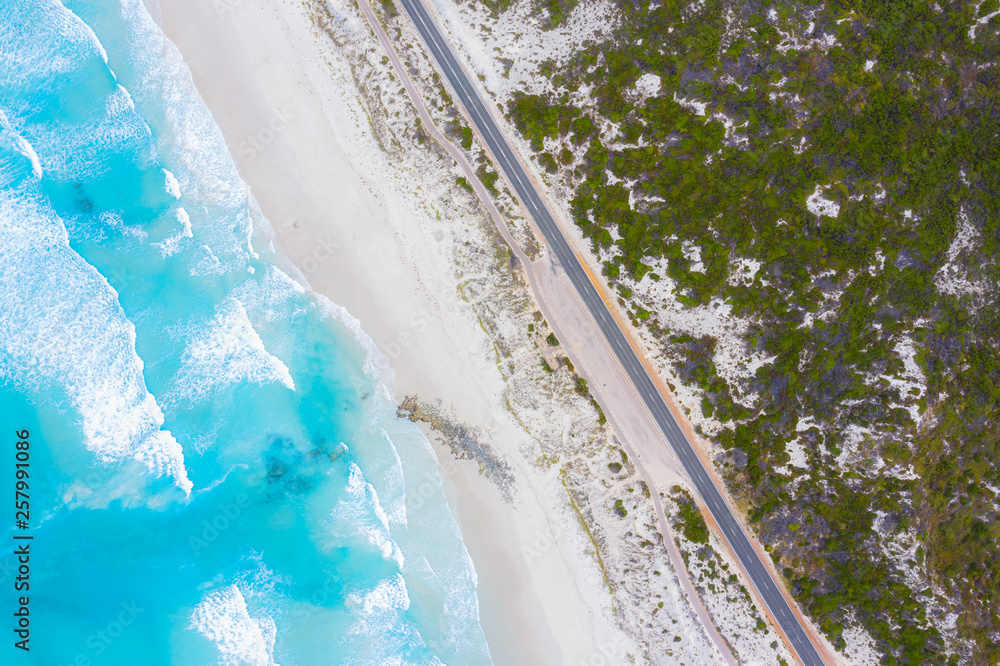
[63, 325]
[41, 42]
[78, 338]
[207, 264]
[377, 636]
[55, 50]
[388, 597]
[223, 618]
[451, 579]
[172, 187]
[395, 483]
[20, 145]
[194, 143]
[361, 512]
[78, 145]
[274, 298]
[113, 220]
[170, 246]
[375, 364]
[224, 351]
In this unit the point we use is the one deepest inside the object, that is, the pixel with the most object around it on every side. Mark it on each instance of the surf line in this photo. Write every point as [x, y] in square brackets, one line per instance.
[22, 543]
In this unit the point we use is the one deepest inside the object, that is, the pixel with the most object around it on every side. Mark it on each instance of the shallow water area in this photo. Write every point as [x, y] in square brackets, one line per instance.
[214, 470]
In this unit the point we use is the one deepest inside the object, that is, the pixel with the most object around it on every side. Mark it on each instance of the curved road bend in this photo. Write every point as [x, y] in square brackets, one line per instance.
[564, 254]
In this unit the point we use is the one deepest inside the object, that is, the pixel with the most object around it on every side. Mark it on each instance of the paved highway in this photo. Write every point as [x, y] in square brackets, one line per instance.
[564, 254]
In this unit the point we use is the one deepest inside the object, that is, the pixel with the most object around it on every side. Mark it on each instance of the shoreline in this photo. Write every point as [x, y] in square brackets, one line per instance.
[332, 219]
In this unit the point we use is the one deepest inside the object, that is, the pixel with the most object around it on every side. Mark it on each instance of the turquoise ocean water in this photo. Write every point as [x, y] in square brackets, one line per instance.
[214, 470]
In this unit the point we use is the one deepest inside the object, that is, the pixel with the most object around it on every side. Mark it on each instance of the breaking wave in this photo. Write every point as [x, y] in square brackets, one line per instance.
[224, 473]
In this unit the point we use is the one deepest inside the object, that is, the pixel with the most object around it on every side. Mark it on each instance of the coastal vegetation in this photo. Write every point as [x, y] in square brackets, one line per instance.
[689, 519]
[830, 173]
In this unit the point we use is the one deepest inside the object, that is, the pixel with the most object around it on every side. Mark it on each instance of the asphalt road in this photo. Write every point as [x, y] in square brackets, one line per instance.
[564, 254]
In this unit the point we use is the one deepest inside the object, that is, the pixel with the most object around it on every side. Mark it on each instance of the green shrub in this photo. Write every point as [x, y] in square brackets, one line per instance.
[620, 509]
[690, 521]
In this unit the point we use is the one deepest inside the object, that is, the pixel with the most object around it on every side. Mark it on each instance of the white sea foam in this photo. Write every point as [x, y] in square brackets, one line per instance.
[455, 574]
[115, 221]
[21, 145]
[389, 596]
[194, 141]
[363, 512]
[395, 483]
[209, 264]
[170, 246]
[172, 186]
[63, 326]
[269, 297]
[225, 351]
[377, 623]
[185, 221]
[377, 636]
[193, 147]
[222, 617]
[247, 223]
[79, 149]
[375, 364]
[43, 43]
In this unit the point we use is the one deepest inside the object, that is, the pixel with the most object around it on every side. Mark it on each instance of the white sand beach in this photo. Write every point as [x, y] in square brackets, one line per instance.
[302, 142]
[371, 217]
